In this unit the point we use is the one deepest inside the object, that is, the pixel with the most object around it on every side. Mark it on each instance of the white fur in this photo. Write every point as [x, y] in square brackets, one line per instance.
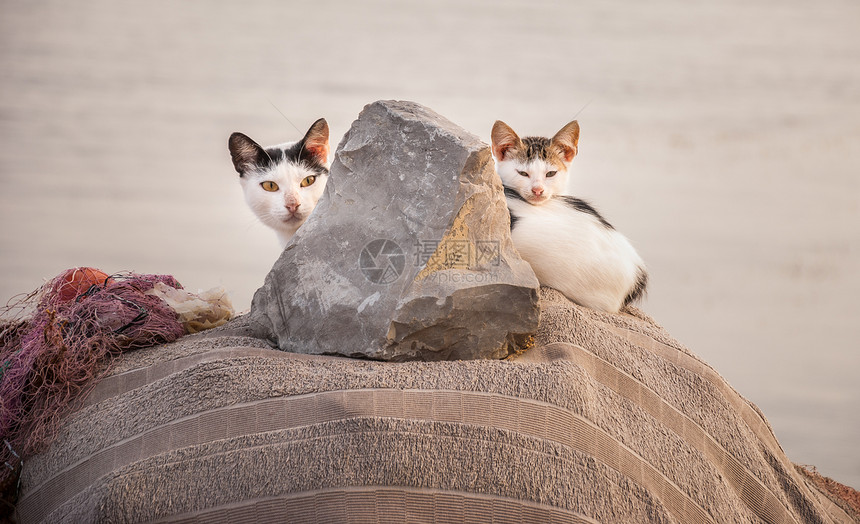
[536, 188]
[286, 209]
[571, 251]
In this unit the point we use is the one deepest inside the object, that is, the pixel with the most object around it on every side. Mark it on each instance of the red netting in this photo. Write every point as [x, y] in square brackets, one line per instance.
[54, 341]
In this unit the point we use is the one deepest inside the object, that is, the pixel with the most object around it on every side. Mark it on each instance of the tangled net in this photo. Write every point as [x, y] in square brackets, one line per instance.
[56, 340]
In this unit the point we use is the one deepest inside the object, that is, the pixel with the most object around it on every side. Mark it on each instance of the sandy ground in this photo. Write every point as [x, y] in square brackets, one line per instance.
[722, 139]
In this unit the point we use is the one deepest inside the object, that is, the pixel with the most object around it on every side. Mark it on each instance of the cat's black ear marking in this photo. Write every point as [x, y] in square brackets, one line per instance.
[246, 153]
[505, 140]
[315, 142]
[276, 154]
[567, 140]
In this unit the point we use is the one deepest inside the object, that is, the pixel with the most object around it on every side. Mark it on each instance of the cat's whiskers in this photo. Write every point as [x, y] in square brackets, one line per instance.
[291, 123]
[252, 223]
[287, 119]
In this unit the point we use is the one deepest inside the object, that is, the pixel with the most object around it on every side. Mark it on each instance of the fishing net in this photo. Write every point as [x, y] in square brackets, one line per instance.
[56, 340]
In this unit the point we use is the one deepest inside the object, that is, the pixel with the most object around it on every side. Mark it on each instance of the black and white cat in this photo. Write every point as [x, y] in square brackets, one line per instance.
[569, 246]
[283, 183]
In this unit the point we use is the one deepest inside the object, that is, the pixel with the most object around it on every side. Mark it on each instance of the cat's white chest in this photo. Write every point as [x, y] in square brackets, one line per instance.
[573, 252]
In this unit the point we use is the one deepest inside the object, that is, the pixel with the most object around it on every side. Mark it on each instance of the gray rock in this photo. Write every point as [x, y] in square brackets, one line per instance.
[408, 254]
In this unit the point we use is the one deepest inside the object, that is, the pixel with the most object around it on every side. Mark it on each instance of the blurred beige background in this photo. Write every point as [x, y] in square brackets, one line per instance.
[721, 138]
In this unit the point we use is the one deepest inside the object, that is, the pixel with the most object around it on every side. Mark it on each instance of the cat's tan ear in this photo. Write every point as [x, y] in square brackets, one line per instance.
[246, 153]
[567, 140]
[316, 141]
[505, 140]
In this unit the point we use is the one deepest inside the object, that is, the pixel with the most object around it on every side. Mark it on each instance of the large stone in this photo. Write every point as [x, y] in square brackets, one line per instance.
[408, 254]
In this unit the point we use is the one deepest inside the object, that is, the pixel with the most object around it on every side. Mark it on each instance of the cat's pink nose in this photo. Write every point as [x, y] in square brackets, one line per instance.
[292, 208]
[537, 191]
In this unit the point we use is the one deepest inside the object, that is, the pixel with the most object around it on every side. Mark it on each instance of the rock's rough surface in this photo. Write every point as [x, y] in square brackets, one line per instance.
[408, 253]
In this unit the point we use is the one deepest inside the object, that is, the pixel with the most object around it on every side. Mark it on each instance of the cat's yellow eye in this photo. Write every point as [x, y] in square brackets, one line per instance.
[523, 173]
[308, 180]
[550, 174]
[268, 185]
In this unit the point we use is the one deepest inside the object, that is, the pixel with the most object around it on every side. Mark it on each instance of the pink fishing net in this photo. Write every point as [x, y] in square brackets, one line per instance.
[54, 341]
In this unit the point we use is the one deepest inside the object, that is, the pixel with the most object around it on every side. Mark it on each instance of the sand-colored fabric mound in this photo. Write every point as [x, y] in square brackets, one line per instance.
[607, 419]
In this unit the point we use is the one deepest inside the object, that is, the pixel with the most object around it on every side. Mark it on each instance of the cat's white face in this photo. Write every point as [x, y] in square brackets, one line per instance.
[535, 167]
[537, 180]
[282, 196]
[283, 183]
